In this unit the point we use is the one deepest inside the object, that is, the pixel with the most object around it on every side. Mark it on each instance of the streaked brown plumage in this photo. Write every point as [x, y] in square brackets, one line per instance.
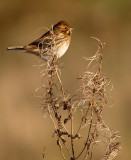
[55, 41]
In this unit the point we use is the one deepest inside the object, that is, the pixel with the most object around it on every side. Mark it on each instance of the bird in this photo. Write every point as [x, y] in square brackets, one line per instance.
[54, 42]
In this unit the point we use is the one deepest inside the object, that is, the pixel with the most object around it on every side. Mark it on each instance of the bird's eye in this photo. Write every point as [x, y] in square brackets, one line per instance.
[65, 27]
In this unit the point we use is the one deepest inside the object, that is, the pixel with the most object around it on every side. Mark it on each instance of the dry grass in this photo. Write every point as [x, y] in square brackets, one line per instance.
[78, 120]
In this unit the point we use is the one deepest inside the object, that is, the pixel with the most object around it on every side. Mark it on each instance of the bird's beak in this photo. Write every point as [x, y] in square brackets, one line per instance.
[71, 30]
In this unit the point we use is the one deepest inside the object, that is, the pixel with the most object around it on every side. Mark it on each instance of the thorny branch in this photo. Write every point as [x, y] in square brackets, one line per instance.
[62, 110]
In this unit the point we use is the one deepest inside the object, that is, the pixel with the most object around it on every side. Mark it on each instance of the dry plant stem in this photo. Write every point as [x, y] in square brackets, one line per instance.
[56, 129]
[100, 47]
[72, 145]
[62, 89]
[86, 142]
[49, 112]
[51, 80]
[54, 61]
[92, 100]
[82, 119]
[52, 70]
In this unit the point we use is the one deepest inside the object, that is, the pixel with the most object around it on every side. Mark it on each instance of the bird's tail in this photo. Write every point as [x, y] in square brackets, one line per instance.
[16, 48]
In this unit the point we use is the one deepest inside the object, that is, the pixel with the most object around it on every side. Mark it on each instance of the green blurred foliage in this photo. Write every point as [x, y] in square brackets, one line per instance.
[23, 130]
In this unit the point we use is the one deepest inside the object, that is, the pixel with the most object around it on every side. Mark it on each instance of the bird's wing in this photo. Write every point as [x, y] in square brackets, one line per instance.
[43, 42]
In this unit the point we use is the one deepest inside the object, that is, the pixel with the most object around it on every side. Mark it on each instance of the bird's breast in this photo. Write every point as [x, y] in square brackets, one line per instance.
[62, 49]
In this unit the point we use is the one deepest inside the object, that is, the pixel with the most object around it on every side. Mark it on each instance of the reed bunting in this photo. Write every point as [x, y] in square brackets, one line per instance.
[55, 41]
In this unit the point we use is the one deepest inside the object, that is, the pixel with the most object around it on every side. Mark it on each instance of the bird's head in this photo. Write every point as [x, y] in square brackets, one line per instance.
[63, 27]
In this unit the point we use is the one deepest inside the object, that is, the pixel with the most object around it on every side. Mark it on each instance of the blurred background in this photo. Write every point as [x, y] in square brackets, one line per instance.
[24, 132]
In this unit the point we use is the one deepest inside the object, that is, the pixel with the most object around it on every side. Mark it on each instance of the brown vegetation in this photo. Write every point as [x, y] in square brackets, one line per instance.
[78, 120]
